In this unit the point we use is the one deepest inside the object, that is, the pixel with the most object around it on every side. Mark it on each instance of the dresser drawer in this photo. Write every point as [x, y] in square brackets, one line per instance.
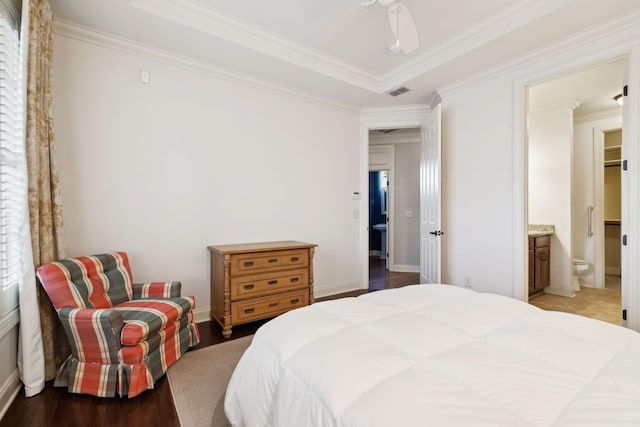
[268, 283]
[260, 261]
[269, 306]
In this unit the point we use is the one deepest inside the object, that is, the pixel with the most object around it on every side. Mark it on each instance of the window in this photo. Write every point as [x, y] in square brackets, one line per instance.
[12, 155]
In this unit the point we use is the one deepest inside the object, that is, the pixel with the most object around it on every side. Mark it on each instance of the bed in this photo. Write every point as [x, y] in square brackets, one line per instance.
[436, 355]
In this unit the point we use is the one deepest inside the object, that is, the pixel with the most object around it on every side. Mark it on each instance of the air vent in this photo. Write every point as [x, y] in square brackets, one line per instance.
[399, 91]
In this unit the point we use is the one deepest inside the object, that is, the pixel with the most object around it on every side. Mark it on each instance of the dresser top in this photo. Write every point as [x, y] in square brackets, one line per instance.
[260, 247]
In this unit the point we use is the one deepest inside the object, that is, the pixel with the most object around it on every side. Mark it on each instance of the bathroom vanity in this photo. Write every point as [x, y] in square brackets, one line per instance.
[539, 257]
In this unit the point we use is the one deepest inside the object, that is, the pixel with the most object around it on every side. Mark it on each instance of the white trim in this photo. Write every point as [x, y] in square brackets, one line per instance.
[498, 25]
[621, 32]
[599, 115]
[597, 136]
[9, 391]
[202, 315]
[337, 288]
[108, 41]
[213, 22]
[630, 226]
[9, 322]
[226, 27]
[392, 138]
[405, 268]
[378, 118]
[562, 291]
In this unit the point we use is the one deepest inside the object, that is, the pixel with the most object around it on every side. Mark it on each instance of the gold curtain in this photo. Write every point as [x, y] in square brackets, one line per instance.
[45, 207]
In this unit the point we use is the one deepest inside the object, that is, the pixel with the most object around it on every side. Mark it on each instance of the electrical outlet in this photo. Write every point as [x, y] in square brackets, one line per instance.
[145, 76]
[408, 214]
[467, 281]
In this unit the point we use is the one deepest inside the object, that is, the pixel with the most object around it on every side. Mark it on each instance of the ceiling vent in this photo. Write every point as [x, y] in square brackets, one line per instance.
[399, 91]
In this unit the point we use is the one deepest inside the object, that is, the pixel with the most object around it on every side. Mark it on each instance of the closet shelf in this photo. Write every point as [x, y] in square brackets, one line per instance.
[612, 222]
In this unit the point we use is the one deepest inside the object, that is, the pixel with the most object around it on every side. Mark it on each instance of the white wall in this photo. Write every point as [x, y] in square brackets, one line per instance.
[549, 198]
[407, 197]
[163, 170]
[477, 187]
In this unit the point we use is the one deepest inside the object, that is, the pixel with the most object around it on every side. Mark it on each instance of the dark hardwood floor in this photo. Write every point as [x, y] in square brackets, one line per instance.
[56, 407]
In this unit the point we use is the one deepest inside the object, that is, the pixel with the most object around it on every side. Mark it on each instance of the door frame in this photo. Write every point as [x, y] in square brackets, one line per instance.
[372, 119]
[598, 199]
[575, 59]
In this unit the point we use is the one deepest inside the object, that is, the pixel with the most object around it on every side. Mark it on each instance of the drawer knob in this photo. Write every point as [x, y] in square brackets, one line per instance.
[248, 264]
[272, 282]
[295, 259]
[249, 310]
[295, 279]
[295, 300]
[273, 304]
[248, 287]
[272, 260]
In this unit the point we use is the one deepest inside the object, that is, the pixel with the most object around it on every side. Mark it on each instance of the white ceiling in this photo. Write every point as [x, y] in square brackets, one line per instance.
[308, 45]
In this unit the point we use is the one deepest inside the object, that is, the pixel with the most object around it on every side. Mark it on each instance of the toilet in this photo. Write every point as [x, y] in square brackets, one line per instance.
[580, 268]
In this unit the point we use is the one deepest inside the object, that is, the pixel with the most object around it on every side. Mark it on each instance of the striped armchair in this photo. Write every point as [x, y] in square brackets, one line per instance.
[124, 336]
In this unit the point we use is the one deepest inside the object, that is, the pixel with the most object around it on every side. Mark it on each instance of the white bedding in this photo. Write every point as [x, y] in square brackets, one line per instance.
[436, 355]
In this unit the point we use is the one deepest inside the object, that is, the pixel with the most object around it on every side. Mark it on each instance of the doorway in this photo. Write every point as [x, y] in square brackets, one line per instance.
[567, 118]
[393, 205]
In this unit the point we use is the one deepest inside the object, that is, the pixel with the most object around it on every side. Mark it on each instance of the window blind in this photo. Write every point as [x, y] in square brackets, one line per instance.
[12, 153]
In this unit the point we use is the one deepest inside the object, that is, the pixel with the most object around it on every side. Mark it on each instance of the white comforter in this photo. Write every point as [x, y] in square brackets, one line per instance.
[436, 355]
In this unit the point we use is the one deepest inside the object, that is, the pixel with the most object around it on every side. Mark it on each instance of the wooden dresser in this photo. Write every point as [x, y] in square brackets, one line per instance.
[255, 281]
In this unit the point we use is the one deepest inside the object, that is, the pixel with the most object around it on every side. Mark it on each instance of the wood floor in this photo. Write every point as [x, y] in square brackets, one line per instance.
[55, 407]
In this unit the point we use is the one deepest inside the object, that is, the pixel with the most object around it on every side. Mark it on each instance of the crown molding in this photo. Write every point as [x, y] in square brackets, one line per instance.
[518, 15]
[215, 23]
[598, 115]
[392, 138]
[570, 104]
[620, 33]
[210, 21]
[393, 117]
[108, 41]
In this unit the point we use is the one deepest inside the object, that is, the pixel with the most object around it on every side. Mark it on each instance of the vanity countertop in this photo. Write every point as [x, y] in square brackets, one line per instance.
[540, 230]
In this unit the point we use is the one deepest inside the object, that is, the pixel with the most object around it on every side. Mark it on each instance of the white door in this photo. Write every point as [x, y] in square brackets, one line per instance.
[430, 205]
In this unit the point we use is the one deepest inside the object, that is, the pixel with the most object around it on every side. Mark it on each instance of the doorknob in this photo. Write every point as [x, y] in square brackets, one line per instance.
[437, 233]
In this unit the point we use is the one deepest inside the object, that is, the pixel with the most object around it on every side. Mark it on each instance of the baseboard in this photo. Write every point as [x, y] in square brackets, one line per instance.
[9, 391]
[403, 268]
[337, 288]
[202, 315]
[560, 291]
[612, 270]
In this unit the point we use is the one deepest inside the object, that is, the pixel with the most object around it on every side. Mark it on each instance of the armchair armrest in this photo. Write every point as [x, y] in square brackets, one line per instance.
[156, 290]
[94, 333]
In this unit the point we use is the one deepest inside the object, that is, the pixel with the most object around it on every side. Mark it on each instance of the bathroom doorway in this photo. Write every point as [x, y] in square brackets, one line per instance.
[569, 118]
[378, 219]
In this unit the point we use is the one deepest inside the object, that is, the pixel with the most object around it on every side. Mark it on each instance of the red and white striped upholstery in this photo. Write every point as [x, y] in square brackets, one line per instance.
[123, 336]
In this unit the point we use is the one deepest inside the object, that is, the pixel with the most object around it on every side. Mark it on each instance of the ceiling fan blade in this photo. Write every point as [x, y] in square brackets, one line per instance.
[409, 38]
[349, 20]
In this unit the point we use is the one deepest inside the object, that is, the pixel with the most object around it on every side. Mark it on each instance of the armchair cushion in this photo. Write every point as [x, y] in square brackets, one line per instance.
[156, 290]
[146, 317]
